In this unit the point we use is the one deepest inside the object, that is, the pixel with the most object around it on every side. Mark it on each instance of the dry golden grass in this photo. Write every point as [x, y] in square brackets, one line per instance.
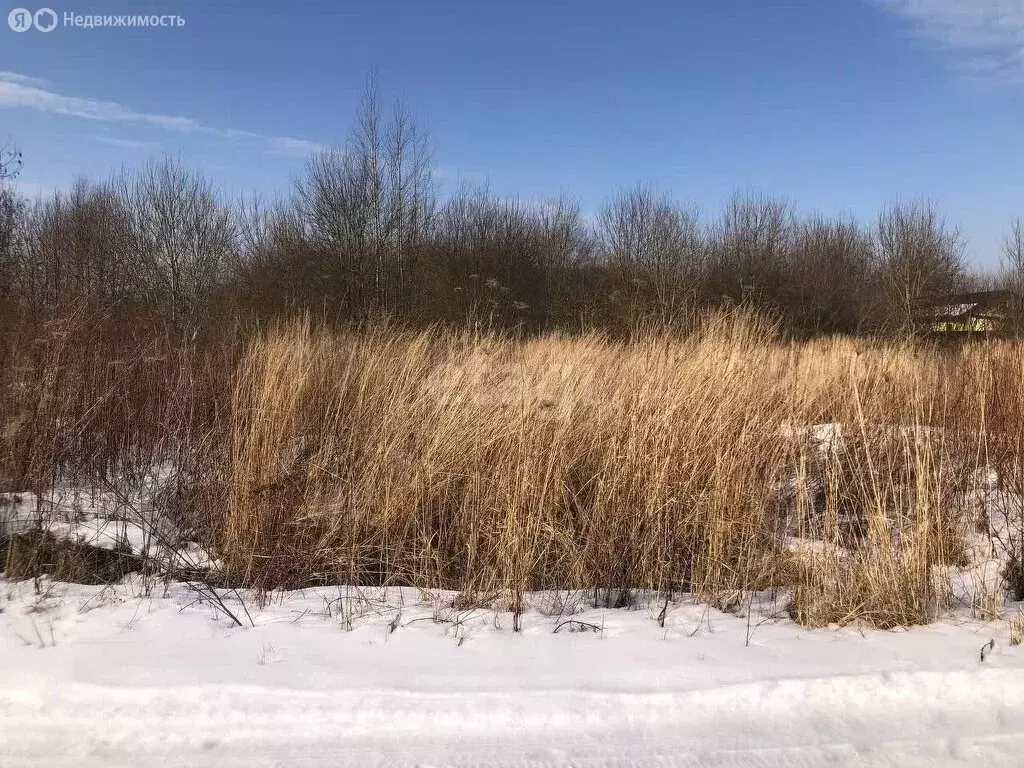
[495, 466]
[1017, 629]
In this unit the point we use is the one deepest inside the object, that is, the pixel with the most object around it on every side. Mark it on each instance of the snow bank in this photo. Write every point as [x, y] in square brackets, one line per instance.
[110, 677]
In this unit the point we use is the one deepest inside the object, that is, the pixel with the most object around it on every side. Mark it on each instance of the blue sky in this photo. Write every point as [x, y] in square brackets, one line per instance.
[840, 106]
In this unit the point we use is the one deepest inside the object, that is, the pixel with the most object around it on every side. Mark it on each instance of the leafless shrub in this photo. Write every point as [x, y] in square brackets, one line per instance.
[1013, 257]
[749, 247]
[831, 278]
[921, 257]
[656, 248]
[367, 207]
[182, 238]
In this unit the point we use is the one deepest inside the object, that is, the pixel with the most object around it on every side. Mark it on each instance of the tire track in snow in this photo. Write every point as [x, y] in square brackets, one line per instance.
[914, 718]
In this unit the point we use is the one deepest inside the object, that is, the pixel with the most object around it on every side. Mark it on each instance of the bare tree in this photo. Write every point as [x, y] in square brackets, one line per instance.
[411, 197]
[274, 267]
[1012, 261]
[76, 249]
[656, 246]
[10, 167]
[921, 257]
[369, 206]
[1011, 273]
[9, 207]
[749, 249]
[830, 277]
[10, 161]
[564, 243]
[182, 236]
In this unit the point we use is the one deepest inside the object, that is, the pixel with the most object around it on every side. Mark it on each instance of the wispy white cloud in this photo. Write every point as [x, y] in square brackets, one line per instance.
[283, 145]
[17, 94]
[15, 77]
[988, 34]
[122, 143]
[19, 91]
[279, 145]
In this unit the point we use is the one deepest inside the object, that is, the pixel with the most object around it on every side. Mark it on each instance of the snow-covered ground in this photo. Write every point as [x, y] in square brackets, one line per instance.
[144, 673]
[127, 520]
[94, 676]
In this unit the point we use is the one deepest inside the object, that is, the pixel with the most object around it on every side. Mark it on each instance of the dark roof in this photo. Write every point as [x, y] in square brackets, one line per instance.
[981, 299]
[992, 306]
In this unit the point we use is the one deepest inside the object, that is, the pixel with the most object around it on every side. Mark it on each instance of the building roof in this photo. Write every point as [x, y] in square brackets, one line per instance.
[961, 305]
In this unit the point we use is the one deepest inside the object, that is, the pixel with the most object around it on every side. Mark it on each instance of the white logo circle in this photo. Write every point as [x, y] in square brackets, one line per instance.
[20, 20]
[45, 19]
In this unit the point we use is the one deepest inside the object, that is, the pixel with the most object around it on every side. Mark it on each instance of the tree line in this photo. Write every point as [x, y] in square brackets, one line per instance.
[366, 233]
